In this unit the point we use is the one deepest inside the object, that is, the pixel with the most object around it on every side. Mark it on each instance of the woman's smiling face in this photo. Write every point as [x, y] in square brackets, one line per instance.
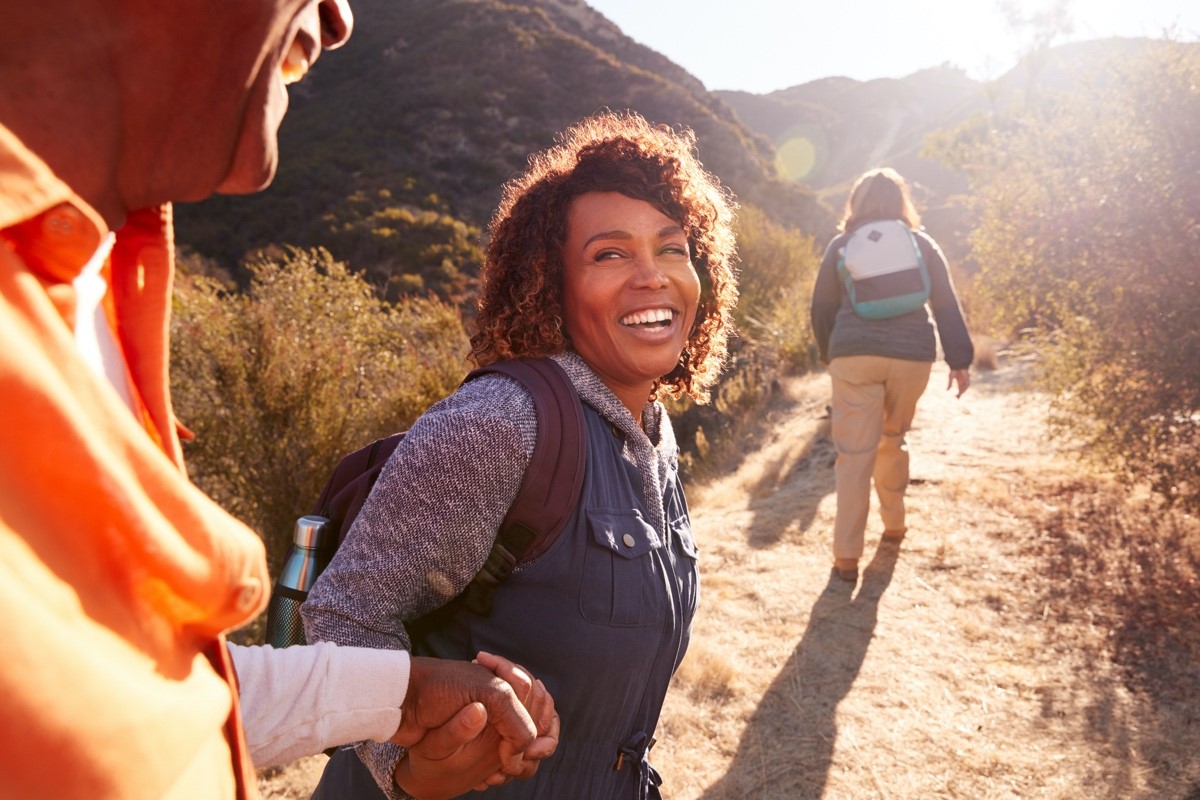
[630, 292]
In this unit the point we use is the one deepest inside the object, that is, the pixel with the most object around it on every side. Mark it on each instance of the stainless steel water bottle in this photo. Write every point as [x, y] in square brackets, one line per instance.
[305, 560]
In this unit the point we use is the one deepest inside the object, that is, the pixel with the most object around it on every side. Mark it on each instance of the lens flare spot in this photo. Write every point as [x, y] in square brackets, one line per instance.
[795, 158]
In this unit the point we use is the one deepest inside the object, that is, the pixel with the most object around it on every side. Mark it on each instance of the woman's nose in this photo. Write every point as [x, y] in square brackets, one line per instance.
[649, 272]
[337, 22]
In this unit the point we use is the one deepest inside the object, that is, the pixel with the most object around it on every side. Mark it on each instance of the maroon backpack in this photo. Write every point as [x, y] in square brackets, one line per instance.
[545, 501]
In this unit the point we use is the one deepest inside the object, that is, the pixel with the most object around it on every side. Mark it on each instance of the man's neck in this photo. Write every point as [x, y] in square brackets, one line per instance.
[69, 119]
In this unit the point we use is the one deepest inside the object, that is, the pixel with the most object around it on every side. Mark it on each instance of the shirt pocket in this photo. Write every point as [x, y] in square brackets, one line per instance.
[686, 569]
[681, 529]
[622, 582]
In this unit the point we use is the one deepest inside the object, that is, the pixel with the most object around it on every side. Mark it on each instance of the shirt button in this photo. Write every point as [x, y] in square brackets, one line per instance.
[628, 540]
[62, 221]
[248, 596]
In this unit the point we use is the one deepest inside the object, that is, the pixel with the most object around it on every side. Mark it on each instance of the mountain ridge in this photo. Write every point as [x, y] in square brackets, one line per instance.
[417, 108]
[436, 103]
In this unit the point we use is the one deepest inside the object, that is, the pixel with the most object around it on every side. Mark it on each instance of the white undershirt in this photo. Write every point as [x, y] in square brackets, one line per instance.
[296, 701]
[93, 335]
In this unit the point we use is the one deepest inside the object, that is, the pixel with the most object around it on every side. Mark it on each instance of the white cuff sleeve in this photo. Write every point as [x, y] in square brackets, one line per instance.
[298, 701]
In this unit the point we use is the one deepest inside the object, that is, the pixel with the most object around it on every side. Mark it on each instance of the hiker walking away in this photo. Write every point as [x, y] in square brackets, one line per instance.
[878, 283]
[611, 255]
[118, 577]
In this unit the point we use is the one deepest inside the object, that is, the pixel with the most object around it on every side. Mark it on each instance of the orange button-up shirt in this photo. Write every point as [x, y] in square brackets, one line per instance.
[117, 575]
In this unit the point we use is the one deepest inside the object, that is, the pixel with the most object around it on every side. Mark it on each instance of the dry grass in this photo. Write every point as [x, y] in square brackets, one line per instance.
[1034, 636]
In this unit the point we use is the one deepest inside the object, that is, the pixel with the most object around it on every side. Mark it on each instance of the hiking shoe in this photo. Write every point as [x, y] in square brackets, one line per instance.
[846, 569]
[895, 535]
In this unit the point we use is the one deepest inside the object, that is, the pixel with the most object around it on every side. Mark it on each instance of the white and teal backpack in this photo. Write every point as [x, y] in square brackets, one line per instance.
[883, 269]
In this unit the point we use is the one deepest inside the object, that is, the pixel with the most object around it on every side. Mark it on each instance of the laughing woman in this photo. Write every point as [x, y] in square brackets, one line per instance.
[612, 255]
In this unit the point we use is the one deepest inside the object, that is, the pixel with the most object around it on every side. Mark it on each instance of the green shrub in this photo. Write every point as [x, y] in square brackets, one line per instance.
[404, 249]
[779, 266]
[1088, 226]
[278, 382]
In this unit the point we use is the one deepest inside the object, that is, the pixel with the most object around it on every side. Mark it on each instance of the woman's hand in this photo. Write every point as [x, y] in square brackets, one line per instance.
[962, 377]
[461, 755]
[465, 752]
[522, 764]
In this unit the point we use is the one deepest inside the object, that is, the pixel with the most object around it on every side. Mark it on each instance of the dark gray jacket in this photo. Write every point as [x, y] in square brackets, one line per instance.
[841, 332]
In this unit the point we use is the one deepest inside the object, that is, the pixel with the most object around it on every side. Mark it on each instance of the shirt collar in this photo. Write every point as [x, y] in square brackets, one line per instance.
[55, 231]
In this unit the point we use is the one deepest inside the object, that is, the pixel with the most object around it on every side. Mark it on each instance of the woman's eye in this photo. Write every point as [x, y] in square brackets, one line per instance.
[677, 250]
[607, 255]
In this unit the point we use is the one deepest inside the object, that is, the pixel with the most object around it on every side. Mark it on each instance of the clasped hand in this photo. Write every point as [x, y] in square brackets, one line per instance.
[472, 725]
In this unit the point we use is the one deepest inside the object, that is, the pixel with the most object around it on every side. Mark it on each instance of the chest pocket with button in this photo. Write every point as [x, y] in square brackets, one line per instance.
[623, 570]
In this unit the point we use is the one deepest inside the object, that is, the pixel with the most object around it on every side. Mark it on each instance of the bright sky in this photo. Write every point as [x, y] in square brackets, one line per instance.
[763, 45]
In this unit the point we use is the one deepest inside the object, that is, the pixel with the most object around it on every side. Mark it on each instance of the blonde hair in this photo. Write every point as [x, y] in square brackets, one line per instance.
[879, 194]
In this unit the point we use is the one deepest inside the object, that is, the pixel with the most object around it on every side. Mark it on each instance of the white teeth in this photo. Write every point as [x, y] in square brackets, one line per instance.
[649, 316]
[295, 65]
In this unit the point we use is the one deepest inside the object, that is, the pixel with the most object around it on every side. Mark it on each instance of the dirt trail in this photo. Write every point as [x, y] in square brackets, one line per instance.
[947, 672]
[943, 674]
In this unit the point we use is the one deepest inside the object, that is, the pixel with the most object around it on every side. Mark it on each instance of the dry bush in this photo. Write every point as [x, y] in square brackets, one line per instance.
[280, 381]
[709, 435]
[778, 267]
[1133, 568]
[1130, 569]
[1084, 228]
[987, 353]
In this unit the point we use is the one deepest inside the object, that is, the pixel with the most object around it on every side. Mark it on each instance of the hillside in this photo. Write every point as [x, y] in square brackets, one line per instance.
[435, 103]
[838, 127]
[828, 132]
[1033, 637]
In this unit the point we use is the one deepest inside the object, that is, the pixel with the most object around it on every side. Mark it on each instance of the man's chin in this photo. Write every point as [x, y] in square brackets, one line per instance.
[243, 180]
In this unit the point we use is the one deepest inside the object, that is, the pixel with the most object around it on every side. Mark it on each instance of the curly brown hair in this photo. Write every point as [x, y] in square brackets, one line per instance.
[520, 307]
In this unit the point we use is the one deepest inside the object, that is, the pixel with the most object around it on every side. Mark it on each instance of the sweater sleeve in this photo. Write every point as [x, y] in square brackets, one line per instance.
[943, 301]
[426, 528]
[299, 701]
[826, 298]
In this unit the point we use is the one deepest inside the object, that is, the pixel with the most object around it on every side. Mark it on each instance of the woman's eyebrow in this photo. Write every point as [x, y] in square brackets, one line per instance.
[608, 235]
[663, 233]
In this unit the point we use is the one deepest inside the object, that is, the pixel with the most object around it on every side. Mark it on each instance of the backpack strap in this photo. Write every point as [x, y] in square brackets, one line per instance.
[351, 482]
[554, 478]
[549, 491]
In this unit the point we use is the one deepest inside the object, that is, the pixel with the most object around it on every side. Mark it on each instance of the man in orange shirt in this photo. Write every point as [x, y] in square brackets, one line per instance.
[118, 578]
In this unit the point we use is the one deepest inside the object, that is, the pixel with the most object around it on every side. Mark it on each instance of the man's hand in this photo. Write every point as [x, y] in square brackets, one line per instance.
[439, 688]
[450, 760]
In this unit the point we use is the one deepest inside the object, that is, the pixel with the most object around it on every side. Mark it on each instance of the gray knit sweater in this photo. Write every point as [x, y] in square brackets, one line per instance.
[433, 515]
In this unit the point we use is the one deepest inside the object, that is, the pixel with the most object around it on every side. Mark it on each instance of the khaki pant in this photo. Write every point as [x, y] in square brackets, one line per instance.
[874, 400]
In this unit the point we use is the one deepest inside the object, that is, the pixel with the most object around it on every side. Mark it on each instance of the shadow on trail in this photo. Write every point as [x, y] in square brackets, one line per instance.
[1131, 569]
[787, 748]
[787, 494]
